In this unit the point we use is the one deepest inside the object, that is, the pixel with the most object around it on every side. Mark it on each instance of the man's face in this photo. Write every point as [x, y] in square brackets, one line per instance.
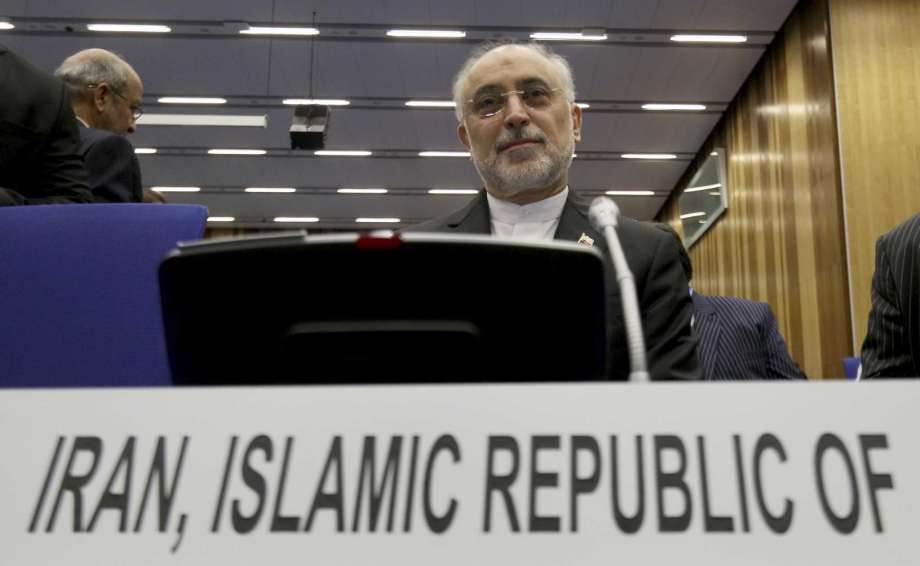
[522, 152]
[116, 109]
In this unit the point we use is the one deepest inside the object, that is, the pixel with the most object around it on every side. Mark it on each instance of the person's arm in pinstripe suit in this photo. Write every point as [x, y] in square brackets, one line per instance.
[886, 351]
[780, 364]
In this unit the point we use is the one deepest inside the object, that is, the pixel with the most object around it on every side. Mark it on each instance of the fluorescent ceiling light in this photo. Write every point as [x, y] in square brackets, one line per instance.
[431, 103]
[6, 25]
[191, 100]
[342, 153]
[319, 101]
[702, 188]
[692, 215]
[289, 31]
[237, 152]
[648, 156]
[452, 192]
[704, 38]
[564, 36]
[378, 220]
[652, 106]
[221, 218]
[630, 193]
[145, 150]
[716, 193]
[129, 28]
[444, 154]
[362, 191]
[269, 190]
[714, 153]
[296, 219]
[582, 105]
[176, 189]
[203, 120]
[430, 33]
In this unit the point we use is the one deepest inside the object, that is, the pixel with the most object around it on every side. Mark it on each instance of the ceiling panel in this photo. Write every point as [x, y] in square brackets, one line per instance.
[208, 58]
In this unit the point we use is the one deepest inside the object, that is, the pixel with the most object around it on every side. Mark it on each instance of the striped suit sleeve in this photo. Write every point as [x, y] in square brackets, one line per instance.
[886, 349]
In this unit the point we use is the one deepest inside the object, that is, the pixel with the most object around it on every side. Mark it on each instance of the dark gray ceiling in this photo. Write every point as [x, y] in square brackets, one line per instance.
[205, 56]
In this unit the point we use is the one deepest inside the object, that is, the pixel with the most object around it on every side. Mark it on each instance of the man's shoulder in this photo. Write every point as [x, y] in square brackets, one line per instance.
[453, 220]
[96, 139]
[902, 235]
[738, 307]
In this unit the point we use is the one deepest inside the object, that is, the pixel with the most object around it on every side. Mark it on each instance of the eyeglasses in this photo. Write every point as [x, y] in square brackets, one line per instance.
[487, 104]
[136, 111]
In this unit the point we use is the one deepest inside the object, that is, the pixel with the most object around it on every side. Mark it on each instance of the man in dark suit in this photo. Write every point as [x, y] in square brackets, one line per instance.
[39, 144]
[106, 95]
[738, 339]
[892, 344]
[515, 105]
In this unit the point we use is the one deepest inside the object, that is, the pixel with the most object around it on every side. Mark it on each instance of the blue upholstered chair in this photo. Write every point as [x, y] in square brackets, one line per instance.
[851, 367]
[79, 295]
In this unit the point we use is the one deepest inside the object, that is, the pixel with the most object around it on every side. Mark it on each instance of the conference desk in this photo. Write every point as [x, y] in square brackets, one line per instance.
[704, 473]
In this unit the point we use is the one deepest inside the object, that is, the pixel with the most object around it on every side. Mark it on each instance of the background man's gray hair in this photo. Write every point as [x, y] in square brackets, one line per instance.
[557, 61]
[93, 66]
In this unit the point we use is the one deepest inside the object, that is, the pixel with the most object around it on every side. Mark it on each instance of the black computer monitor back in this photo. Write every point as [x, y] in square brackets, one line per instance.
[415, 308]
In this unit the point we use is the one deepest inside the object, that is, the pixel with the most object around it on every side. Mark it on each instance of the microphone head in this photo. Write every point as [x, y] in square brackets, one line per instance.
[602, 213]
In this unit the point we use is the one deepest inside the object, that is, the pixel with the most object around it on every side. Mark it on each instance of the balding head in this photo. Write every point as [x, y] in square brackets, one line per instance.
[104, 90]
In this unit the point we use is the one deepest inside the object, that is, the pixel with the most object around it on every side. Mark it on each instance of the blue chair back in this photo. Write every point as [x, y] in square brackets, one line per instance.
[851, 367]
[79, 293]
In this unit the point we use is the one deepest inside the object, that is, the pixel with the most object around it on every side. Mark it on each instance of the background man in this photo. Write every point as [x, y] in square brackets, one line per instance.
[39, 145]
[737, 338]
[892, 344]
[518, 118]
[106, 96]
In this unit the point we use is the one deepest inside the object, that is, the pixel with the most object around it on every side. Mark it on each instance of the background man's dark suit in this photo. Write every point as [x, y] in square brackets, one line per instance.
[661, 286]
[39, 144]
[892, 344]
[113, 170]
[739, 339]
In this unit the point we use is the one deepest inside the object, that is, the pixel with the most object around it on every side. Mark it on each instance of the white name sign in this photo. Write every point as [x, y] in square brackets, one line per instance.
[707, 473]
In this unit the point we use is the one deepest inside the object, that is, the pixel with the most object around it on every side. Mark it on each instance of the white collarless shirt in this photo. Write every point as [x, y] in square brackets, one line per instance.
[534, 221]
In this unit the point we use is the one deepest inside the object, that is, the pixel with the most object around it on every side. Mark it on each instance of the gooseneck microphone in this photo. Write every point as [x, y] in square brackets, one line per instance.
[604, 215]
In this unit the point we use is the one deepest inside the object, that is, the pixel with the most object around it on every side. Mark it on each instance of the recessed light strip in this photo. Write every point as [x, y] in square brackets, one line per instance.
[145, 150]
[567, 36]
[317, 101]
[283, 31]
[427, 33]
[452, 191]
[377, 220]
[342, 153]
[626, 193]
[346, 191]
[6, 26]
[708, 38]
[656, 106]
[431, 103]
[221, 218]
[129, 28]
[237, 152]
[176, 189]
[191, 100]
[233, 120]
[444, 154]
[269, 190]
[296, 219]
[692, 215]
[648, 156]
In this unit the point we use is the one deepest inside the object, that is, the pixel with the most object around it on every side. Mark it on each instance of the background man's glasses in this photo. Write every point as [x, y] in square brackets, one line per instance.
[136, 111]
[488, 104]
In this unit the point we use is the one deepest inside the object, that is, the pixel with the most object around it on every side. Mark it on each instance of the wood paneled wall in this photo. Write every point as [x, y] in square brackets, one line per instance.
[876, 48]
[782, 238]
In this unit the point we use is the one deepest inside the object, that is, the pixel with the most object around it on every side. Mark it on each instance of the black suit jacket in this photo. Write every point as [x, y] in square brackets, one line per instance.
[661, 286]
[39, 145]
[113, 170]
[892, 344]
[739, 339]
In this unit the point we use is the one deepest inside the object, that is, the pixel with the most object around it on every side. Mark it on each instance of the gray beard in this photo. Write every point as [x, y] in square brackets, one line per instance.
[509, 179]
